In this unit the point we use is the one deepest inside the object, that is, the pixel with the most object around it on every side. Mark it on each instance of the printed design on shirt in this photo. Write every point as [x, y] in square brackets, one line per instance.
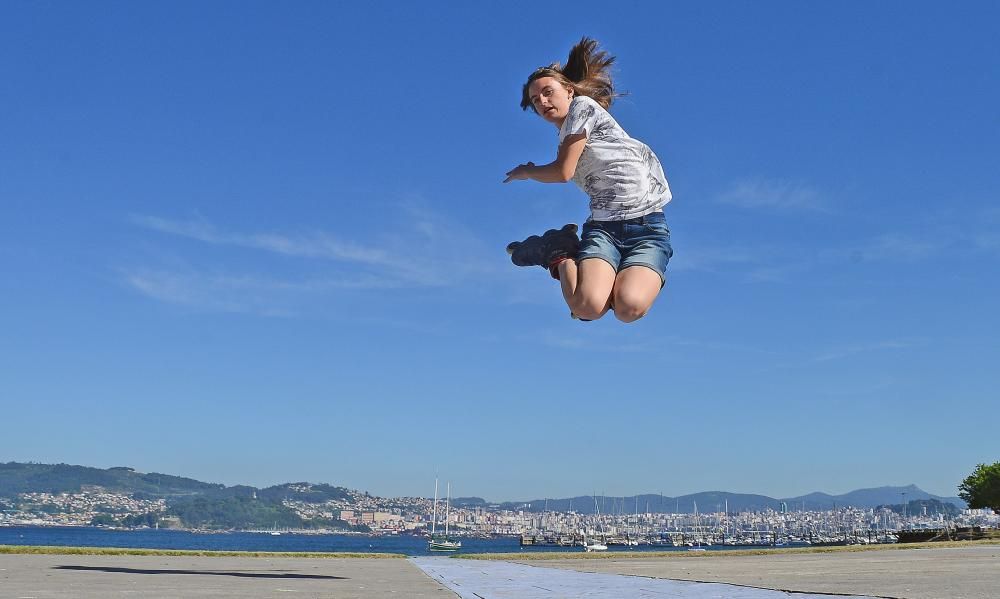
[604, 201]
[656, 186]
[654, 176]
[602, 195]
[580, 113]
[604, 131]
[646, 153]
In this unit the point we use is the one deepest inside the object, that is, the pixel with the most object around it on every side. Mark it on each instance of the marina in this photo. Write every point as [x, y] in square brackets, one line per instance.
[681, 539]
[307, 541]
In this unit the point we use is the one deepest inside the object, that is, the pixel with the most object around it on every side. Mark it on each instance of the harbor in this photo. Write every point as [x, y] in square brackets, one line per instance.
[755, 539]
[848, 526]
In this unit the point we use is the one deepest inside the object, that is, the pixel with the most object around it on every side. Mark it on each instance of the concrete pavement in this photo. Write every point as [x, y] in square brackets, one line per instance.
[966, 572]
[971, 572]
[110, 576]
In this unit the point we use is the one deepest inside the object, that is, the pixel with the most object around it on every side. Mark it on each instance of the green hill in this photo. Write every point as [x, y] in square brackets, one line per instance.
[64, 478]
[197, 504]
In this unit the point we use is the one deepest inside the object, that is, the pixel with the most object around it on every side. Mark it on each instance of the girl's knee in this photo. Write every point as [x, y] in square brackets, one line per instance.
[629, 313]
[589, 308]
[631, 307]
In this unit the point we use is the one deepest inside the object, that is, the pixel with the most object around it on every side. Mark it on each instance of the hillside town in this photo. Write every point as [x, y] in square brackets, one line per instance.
[75, 509]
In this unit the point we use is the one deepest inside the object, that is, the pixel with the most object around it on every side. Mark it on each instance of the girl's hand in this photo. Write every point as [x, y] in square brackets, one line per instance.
[519, 173]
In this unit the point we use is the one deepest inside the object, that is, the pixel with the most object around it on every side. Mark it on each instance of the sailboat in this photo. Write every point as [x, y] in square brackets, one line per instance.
[594, 545]
[697, 520]
[437, 542]
[629, 540]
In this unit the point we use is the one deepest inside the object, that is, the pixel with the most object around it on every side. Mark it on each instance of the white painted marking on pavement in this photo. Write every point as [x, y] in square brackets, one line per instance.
[505, 580]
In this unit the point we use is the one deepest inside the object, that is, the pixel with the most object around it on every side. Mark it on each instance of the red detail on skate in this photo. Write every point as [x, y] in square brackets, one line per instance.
[554, 266]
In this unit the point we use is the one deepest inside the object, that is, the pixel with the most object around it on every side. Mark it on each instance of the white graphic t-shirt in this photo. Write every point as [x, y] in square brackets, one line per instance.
[622, 176]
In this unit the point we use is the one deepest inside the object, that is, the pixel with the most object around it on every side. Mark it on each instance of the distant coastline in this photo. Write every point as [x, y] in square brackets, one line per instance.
[122, 498]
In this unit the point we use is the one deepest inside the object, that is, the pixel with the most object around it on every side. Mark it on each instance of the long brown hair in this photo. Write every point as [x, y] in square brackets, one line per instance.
[587, 73]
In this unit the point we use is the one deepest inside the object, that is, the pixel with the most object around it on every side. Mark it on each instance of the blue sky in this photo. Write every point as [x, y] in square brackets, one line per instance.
[260, 242]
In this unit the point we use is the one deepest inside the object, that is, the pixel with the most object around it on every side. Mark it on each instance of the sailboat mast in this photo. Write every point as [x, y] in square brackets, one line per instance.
[447, 510]
[434, 518]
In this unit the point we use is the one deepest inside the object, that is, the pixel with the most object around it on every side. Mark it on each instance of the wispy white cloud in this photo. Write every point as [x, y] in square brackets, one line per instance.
[853, 389]
[755, 264]
[712, 345]
[417, 249]
[245, 294]
[616, 340]
[896, 246]
[701, 257]
[391, 260]
[591, 342]
[862, 348]
[986, 240]
[217, 294]
[774, 194]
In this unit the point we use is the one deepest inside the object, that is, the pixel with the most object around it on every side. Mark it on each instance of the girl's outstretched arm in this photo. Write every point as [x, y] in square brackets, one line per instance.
[559, 171]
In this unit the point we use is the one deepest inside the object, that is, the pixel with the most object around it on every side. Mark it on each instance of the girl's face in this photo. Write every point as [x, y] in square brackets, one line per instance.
[550, 99]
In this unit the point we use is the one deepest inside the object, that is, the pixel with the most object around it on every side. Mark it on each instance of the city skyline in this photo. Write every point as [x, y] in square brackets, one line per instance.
[255, 244]
[862, 517]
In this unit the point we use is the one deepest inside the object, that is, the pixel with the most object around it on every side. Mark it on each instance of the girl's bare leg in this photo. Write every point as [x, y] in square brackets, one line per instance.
[635, 289]
[587, 287]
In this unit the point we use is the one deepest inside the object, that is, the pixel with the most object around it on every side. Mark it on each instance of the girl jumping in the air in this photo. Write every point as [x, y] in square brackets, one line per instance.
[620, 261]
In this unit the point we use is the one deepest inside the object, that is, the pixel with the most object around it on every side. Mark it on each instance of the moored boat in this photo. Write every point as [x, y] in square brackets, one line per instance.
[442, 542]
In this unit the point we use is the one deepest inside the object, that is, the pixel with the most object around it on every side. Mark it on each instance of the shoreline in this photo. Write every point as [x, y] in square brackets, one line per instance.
[65, 550]
[716, 553]
[297, 531]
[519, 556]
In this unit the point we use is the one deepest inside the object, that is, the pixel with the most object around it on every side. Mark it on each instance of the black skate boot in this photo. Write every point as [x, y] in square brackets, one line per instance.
[543, 251]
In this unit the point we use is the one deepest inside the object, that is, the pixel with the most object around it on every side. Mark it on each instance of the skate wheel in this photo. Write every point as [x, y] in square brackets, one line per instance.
[512, 247]
[570, 228]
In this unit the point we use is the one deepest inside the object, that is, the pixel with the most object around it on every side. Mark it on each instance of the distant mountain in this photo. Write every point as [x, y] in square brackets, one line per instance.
[63, 478]
[868, 498]
[814, 501]
[712, 501]
[194, 503]
[468, 502]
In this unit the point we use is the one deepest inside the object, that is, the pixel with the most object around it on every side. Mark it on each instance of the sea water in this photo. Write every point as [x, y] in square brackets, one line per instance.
[84, 536]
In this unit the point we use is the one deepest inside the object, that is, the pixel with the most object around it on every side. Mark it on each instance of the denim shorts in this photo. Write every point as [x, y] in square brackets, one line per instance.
[641, 241]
